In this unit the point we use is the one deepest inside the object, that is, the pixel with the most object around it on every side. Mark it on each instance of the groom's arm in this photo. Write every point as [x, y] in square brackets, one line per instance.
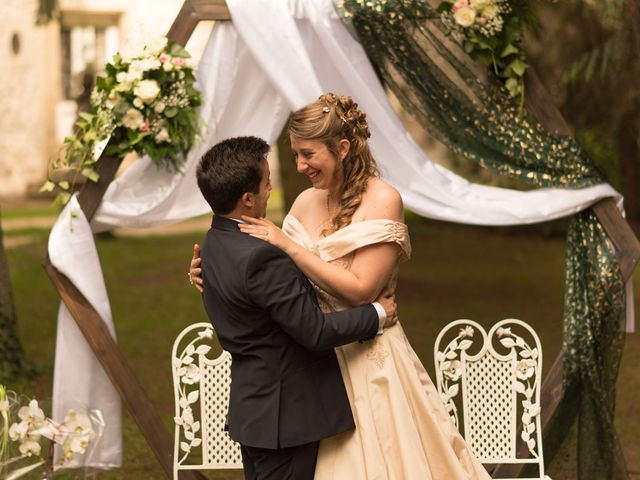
[276, 285]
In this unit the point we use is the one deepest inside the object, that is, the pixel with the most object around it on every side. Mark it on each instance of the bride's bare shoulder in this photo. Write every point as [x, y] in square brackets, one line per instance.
[303, 202]
[381, 200]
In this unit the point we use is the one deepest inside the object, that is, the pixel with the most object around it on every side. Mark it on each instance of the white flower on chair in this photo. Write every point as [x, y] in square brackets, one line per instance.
[191, 375]
[525, 369]
[452, 370]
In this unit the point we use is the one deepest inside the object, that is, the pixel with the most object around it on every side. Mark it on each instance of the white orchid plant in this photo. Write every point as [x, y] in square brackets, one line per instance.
[491, 32]
[75, 436]
[145, 103]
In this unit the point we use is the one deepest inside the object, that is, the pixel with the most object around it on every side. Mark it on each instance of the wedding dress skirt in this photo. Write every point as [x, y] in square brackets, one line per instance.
[403, 431]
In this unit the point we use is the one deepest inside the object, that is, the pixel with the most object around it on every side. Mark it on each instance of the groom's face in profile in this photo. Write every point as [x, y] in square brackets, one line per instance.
[261, 198]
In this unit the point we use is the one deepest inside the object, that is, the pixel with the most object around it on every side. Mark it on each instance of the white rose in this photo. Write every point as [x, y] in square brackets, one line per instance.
[123, 87]
[465, 16]
[147, 90]
[490, 11]
[162, 136]
[121, 77]
[129, 52]
[135, 72]
[167, 66]
[137, 102]
[157, 44]
[159, 108]
[149, 63]
[133, 118]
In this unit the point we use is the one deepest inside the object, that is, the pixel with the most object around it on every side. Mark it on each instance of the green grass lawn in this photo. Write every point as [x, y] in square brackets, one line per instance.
[456, 272]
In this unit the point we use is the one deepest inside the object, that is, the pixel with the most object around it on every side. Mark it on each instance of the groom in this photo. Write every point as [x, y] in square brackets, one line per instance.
[286, 388]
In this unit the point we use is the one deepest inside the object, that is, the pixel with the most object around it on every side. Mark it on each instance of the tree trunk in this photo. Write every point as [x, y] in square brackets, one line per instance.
[628, 137]
[13, 363]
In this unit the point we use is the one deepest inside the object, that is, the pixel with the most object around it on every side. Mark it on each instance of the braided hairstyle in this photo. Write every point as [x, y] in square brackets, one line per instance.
[330, 119]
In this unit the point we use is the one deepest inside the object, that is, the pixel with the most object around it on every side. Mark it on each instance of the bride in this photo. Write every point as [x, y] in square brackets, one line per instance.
[346, 234]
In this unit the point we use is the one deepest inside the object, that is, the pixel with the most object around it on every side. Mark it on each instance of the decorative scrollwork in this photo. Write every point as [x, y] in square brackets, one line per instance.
[448, 362]
[526, 370]
[187, 370]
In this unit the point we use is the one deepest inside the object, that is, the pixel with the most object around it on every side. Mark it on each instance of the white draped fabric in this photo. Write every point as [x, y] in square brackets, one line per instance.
[276, 56]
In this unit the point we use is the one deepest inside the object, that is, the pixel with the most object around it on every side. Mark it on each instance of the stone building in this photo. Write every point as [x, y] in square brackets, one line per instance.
[46, 73]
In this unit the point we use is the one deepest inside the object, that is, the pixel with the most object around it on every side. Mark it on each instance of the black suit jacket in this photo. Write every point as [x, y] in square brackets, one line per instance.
[286, 387]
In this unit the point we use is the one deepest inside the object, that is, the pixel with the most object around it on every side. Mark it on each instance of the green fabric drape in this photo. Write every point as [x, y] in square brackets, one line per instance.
[435, 81]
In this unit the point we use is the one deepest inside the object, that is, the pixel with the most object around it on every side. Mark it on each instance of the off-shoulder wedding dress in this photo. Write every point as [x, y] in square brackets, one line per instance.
[403, 431]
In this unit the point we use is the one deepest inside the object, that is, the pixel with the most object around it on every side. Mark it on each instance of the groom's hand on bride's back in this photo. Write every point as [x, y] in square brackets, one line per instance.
[388, 301]
[195, 272]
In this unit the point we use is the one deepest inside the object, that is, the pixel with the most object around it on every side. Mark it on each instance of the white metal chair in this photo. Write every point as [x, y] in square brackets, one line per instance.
[201, 387]
[500, 377]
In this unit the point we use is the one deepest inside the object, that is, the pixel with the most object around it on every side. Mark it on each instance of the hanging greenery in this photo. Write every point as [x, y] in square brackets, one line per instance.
[475, 119]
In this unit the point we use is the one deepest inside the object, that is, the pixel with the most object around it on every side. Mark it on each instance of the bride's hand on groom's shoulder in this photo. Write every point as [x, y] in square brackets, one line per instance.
[265, 230]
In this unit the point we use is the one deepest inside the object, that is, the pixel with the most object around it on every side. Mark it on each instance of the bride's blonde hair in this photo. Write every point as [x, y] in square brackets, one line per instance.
[330, 119]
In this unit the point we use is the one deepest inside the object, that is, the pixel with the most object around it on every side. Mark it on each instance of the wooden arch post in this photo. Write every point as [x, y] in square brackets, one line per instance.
[88, 319]
[93, 327]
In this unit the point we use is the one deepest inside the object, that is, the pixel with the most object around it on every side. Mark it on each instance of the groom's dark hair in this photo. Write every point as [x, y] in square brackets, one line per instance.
[230, 169]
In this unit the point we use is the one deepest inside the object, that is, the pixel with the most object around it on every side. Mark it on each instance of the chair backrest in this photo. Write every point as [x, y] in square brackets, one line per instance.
[498, 375]
[201, 387]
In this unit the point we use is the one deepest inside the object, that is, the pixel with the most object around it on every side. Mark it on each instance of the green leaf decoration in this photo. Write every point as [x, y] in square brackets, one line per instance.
[47, 186]
[509, 50]
[91, 174]
[518, 66]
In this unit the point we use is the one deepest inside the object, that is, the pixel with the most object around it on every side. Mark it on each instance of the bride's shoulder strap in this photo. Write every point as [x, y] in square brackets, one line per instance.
[362, 234]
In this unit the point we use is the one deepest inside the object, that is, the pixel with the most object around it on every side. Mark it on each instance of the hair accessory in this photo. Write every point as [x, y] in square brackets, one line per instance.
[325, 109]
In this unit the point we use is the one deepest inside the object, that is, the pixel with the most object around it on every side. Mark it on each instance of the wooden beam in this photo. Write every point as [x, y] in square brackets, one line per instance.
[211, 9]
[184, 24]
[194, 11]
[91, 194]
[619, 231]
[110, 356]
[623, 238]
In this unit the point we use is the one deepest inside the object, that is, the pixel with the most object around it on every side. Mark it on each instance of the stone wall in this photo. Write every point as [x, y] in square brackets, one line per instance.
[30, 79]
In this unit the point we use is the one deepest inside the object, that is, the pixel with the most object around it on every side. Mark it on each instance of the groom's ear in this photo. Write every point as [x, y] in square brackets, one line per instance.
[247, 199]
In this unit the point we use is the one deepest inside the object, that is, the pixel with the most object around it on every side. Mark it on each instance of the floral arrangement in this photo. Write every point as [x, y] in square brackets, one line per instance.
[146, 103]
[74, 436]
[491, 32]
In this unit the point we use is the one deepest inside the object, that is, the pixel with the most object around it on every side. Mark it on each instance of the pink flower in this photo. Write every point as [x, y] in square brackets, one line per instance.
[481, 21]
[180, 61]
[164, 57]
[458, 5]
[144, 127]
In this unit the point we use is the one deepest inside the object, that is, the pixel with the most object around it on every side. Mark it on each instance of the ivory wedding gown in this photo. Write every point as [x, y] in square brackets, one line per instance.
[402, 429]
